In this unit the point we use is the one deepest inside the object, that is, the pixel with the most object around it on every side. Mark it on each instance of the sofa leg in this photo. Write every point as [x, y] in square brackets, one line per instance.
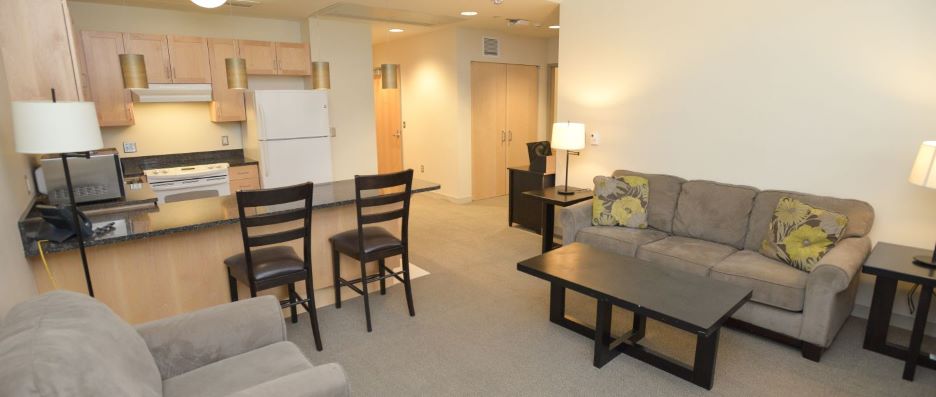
[811, 351]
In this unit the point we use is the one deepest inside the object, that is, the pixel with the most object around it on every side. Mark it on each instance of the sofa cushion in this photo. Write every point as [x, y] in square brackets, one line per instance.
[619, 240]
[714, 211]
[860, 214]
[239, 372]
[68, 344]
[685, 254]
[664, 192]
[800, 235]
[620, 201]
[774, 282]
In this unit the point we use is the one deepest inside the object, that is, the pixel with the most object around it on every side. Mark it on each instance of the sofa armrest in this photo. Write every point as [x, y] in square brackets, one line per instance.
[831, 289]
[835, 271]
[188, 341]
[573, 218]
[327, 380]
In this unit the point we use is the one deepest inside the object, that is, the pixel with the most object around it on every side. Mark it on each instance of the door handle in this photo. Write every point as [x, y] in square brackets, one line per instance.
[509, 136]
[503, 136]
[398, 134]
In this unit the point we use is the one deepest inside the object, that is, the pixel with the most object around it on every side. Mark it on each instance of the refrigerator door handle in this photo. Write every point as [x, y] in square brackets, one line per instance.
[265, 159]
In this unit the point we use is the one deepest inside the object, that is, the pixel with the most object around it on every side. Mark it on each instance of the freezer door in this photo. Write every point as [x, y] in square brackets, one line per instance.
[293, 161]
[291, 114]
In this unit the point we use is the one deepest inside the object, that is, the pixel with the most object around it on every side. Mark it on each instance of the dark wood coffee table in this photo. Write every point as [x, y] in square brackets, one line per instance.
[696, 304]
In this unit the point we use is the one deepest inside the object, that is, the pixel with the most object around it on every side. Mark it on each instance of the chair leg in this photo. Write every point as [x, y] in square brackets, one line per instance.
[313, 316]
[366, 299]
[406, 283]
[381, 265]
[253, 290]
[292, 303]
[336, 274]
[232, 284]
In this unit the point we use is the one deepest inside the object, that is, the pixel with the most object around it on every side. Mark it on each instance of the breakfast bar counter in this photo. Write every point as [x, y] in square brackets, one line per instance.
[168, 259]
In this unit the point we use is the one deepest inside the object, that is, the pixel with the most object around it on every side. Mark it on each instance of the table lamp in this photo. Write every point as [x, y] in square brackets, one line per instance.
[69, 129]
[570, 137]
[924, 174]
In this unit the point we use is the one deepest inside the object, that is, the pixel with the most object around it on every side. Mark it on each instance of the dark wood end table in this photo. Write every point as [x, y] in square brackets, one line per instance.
[550, 198]
[891, 263]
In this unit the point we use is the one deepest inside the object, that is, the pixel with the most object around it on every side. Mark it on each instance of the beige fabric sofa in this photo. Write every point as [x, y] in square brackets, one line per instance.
[69, 344]
[715, 230]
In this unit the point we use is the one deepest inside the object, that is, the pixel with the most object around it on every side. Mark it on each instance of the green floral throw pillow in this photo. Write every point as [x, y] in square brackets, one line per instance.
[800, 234]
[620, 201]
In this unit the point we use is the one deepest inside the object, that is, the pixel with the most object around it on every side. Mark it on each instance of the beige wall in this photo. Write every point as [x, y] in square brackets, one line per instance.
[830, 97]
[16, 279]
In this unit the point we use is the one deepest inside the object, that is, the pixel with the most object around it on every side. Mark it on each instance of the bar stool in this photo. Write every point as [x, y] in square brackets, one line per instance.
[375, 243]
[269, 267]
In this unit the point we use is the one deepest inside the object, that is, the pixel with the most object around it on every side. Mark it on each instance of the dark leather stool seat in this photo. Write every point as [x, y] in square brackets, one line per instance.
[376, 239]
[269, 263]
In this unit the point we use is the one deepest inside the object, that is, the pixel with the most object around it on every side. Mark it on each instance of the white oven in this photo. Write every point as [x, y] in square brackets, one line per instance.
[189, 183]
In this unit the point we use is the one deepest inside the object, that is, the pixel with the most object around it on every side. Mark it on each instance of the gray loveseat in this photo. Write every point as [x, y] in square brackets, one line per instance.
[715, 230]
[69, 344]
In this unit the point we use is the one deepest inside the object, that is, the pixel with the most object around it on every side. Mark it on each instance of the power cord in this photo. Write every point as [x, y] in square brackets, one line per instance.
[45, 263]
[910, 304]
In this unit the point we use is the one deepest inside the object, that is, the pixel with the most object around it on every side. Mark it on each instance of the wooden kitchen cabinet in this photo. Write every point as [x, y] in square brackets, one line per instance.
[226, 104]
[155, 51]
[38, 47]
[189, 59]
[104, 78]
[260, 56]
[244, 177]
[292, 59]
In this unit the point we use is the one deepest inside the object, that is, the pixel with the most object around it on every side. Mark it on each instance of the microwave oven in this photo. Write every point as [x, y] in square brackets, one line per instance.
[97, 178]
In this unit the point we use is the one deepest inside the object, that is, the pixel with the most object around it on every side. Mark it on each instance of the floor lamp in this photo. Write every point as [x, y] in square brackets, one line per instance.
[571, 138]
[70, 129]
[923, 174]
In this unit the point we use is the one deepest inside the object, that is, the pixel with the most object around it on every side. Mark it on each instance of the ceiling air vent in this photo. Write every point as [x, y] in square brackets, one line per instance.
[490, 47]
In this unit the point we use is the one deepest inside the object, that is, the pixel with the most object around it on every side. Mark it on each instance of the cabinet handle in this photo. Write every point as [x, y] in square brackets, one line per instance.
[168, 73]
[509, 136]
[503, 136]
[173, 73]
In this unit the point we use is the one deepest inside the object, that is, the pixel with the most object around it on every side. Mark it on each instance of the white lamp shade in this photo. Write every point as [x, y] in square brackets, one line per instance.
[924, 167]
[209, 3]
[55, 127]
[568, 136]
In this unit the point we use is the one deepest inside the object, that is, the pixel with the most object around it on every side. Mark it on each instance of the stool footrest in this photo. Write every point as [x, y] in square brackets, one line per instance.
[371, 278]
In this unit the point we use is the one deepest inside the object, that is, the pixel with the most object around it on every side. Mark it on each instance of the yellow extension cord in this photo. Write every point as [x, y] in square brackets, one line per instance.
[46, 264]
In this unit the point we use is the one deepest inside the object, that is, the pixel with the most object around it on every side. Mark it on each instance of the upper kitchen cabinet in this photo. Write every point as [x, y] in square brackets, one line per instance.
[259, 55]
[292, 59]
[37, 50]
[226, 104]
[189, 59]
[155, 51]
[104, 78]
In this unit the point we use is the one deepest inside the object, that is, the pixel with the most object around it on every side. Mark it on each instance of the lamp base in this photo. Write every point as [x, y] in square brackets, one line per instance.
[924, 261]
[565, 191]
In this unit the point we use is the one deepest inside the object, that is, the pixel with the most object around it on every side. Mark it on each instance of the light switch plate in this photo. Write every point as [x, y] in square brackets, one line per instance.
[595, 138]
[129, 147]
[224, 140]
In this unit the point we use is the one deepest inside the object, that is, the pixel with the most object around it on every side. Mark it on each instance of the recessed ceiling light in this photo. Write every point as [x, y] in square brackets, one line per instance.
[396, 30]
[469, 13]
[554, 26]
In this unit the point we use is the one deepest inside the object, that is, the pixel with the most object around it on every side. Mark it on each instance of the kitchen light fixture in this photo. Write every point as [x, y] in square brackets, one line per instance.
[554, 26]
[388, 76]
[133, 70]
[571, 138]
[469, 13]
[396, 30]
[321, 77]
[236, 69]
[209, 3]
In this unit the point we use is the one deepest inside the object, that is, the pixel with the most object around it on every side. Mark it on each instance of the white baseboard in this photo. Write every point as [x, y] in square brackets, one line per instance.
[452, 199]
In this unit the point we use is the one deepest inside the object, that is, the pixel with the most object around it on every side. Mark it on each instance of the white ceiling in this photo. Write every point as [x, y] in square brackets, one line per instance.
[490, 16]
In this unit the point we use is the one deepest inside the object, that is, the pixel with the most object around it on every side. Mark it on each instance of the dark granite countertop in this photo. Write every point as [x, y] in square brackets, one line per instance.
[185, 216]
[134, 166]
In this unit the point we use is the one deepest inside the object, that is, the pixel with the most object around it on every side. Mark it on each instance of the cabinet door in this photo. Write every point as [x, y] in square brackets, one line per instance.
[155, 51]
[105, 81]
[293, 59]
[259, 55]
[488, 130]
[522, 112]
[226, 104]
[37, 51]
[188, 57]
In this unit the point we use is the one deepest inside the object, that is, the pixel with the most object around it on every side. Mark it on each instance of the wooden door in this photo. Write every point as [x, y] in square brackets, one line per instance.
[522, 112]
[293, 59]
[105, 81]
[155, 51]
[226, 104]
[389, 128]
[488, 130]
[259, 55]
[188, 56]
[35, 37]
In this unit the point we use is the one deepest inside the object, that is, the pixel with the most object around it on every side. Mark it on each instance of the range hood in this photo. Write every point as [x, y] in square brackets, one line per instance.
[161, 93]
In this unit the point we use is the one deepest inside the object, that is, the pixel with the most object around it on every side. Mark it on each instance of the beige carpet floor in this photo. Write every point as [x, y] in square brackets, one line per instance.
[481, 328]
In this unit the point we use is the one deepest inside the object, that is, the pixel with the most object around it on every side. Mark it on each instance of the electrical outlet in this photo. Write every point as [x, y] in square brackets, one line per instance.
[130, 147]
[595, 138]
[422, 168]
[29, 186]
[224, 140]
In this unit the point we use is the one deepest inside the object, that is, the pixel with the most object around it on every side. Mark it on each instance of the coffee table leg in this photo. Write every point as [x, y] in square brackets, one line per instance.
[603, 339]
[703, 370]
[556, 303]
[916, 339]
[639, 327]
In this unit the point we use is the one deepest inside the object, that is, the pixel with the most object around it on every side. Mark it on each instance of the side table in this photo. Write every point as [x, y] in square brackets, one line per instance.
[550, 198]
[891, 263]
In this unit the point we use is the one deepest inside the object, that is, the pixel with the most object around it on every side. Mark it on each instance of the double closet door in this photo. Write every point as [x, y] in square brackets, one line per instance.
[504, 106]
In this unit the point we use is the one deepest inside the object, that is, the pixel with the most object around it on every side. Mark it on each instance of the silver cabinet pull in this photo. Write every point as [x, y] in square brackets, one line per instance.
[509, 136]
[503, 136]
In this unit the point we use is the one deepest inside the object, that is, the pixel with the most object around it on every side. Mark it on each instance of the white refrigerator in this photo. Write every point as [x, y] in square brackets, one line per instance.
[288, 132]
